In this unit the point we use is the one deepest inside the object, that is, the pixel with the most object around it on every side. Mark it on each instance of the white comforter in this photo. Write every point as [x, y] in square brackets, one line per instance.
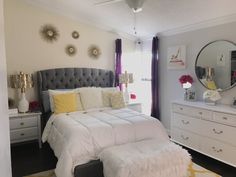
[79, 137]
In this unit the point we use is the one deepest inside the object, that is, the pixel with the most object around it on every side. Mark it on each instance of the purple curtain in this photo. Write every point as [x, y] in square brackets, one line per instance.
[118, 62]
[155, 93]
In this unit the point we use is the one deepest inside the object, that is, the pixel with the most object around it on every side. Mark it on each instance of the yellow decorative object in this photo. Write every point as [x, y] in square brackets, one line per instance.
[117, 100]
[211, 85]
[65, 103]
[195, 170]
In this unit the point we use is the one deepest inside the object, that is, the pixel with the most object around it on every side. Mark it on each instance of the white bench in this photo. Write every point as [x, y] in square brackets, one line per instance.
[148, 158]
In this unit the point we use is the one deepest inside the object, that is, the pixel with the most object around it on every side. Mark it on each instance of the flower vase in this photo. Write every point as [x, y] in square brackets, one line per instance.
[186, 94]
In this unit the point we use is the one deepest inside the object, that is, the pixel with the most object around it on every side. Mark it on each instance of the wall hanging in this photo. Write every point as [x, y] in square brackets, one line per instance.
[94, 52]
[70, 50]
[75, 34]
[49, 33]
[176, 57]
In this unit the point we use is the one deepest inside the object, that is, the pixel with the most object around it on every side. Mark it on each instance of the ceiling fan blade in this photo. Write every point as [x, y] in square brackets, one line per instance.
[107, 2]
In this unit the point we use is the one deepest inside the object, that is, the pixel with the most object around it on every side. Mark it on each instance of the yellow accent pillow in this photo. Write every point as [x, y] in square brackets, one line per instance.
[65, 103]
[117, 100]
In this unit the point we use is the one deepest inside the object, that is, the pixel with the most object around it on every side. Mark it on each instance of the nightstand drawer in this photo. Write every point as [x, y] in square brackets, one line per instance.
[23, 122]
[24, 133]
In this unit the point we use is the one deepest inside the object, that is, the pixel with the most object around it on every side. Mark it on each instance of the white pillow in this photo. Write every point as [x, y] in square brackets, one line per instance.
[55, 92]
[91, 97]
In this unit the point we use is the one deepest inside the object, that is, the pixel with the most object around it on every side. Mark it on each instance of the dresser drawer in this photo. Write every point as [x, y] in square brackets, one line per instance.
[185, 138]
[219, 150]
[186, 122]
[223, 118]
[220, 132]
[23, 133]
[18, 123]
[194, 112]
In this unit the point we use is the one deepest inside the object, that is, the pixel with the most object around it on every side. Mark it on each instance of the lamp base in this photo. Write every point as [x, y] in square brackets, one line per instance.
[23, 106]
[126, 96]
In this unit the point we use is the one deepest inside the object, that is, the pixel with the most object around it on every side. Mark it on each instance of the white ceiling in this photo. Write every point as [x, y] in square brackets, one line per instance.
[157, 15]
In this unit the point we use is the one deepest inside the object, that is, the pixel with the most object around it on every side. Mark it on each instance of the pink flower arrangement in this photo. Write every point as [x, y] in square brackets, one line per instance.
[185, 78]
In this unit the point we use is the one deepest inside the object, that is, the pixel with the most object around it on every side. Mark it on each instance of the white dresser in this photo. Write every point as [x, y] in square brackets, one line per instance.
[210, 130]
[25, 127]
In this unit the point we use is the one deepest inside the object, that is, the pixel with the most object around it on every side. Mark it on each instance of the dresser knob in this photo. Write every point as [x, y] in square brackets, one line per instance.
[185, 122]
[181, 109]
[217, 150]
[22, 134]
[185, 138]
[200, 113]
[22, 123]
[217, 132]
[225, 118]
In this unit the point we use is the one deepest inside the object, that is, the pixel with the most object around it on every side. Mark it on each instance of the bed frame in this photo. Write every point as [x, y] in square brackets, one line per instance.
[70, 78]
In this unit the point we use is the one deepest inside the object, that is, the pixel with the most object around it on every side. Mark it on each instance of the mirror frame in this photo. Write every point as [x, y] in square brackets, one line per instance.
[225, 89]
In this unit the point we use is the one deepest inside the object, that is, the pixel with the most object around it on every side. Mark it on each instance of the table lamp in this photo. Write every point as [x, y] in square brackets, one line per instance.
[22, 81]
[126, 78]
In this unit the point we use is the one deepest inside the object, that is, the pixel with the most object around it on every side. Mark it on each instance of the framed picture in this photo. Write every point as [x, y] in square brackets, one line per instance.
[176, 57]
[191, 95]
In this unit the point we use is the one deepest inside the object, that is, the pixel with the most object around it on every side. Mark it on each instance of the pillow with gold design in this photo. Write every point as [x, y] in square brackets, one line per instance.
[117, 100]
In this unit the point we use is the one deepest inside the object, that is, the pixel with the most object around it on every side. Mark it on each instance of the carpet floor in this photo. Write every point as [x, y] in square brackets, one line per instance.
[193, 171]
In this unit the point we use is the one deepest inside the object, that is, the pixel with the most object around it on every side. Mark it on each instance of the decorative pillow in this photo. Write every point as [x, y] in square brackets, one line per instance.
[91, 97]
[106, 95]
[117, 100]
[56, 92]
[64, 103]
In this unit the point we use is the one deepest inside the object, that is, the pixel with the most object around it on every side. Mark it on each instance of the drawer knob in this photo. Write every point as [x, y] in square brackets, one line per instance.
[200, 113]
[225, 118]
[184, 138]
[22, 123]
[185, 122]
[217, 132]
[181, 109]
[216, 150]
[22, 134]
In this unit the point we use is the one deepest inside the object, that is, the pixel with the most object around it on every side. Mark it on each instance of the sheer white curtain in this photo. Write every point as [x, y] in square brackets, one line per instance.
[139, 63]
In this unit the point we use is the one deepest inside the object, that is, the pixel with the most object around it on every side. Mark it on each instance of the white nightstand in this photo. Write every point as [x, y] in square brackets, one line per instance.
[135, 106]
[25, 127]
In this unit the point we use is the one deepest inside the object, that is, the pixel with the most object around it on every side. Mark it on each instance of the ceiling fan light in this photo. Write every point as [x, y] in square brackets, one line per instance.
[135, 5]
[137, 10]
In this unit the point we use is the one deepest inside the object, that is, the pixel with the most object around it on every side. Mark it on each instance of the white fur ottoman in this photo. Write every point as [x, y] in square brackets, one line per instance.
[148, 158]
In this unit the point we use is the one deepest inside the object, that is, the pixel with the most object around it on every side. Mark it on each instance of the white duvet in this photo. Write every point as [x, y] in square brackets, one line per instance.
[79, 137]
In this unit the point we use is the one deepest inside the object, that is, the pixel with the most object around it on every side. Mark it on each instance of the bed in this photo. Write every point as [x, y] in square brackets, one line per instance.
[78, 138]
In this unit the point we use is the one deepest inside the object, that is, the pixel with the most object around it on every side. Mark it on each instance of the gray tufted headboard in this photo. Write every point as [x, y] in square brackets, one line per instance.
[69, 78]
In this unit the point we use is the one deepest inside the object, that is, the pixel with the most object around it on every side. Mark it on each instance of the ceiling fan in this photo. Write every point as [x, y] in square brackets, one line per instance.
[135, 5]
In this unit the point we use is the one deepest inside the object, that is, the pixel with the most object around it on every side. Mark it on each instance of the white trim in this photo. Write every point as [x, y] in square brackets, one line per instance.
[200, 25]
[5, 156]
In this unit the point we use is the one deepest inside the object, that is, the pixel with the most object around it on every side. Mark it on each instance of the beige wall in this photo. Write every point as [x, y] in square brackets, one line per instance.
[5, 160]
[28, 52]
